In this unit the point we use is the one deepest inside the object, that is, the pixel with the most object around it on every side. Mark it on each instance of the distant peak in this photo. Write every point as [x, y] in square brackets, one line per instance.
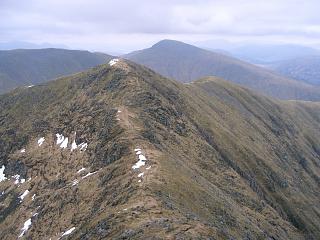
[168, 42]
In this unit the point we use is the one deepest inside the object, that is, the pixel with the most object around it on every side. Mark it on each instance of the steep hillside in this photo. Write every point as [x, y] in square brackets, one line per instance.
[120, 152]
[185, 63]
[24, 67]
[305, 69]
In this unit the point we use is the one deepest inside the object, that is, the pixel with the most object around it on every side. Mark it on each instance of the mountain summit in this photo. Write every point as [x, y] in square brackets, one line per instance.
[186, 63]
[120, 152]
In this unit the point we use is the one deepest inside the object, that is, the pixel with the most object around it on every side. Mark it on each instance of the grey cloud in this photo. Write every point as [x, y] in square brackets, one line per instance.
[63, 20]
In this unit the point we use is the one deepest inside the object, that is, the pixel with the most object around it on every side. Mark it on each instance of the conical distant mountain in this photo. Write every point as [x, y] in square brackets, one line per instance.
[120, 152]
[25, 67]
[186, 63]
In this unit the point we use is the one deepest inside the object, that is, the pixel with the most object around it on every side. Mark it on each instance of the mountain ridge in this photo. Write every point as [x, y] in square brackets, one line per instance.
[185, 63]
[303, 69]
[24, 67]
[221, 161]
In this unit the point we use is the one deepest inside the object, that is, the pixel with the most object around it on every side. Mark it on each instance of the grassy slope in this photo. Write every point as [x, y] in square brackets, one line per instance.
[225, 163]
[33, 66]
[186, 63]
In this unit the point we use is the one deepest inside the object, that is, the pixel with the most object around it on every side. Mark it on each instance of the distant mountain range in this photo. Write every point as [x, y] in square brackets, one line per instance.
[28, 45]
[297, 62]
[264, 54]
[177, 60]
[305, 69]
[25, 67]
[186, 63]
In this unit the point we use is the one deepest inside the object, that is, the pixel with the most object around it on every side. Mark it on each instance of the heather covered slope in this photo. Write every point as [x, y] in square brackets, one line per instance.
[221, 161]
[186, 63]
[24, 67]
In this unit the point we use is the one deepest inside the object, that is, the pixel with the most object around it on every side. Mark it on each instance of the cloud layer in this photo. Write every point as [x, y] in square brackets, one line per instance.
[125, 24]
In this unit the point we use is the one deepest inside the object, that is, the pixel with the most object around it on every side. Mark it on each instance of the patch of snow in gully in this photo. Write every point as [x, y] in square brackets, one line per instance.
[75, 182]
[89, 174]
[2, 175]
[41, 141]
[141, 157]
[26, 226]
[74, 145]
[64, 144]
[68, 232]
[24, 194]
[82, 169]
[60, 138]
[83, 146]
[17, 179]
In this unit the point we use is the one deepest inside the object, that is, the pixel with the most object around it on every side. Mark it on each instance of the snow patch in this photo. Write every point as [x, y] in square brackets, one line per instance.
[68, 232]
[113, 61]
[75, 182]
[140, 174]
[148, 167]
[64, 144]
[33, 197]
[142, 159]
[83, 146]
[24, 195]
[41, 141]
[26, 226]
[138, 164]
[2, 175]
[23, 150]
[139, 181]
[82, 169]
[73, 145]
[60, 138]
[17, 179]
[89, 174]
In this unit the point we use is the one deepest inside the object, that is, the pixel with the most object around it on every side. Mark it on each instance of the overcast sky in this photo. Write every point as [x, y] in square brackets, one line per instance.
[119, 26]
